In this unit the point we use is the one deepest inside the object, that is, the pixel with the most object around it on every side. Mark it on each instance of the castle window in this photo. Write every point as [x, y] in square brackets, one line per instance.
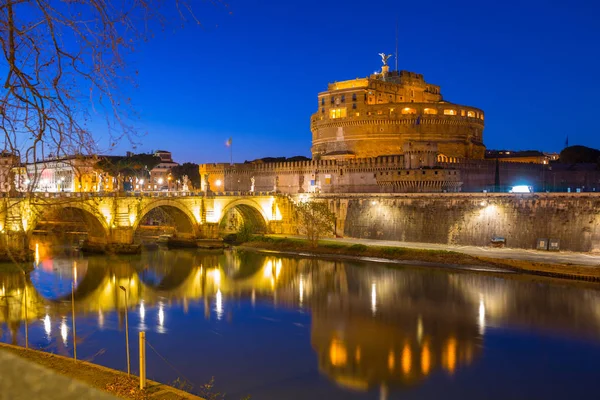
[358, 114]
[354, 106]
[322, 101]
[322, 111]
[379, 112]
[408, 110]
[412, 93]
[332, 100]
[449, 111]
[471, 114]
[353, 96]
[429, 111]
[337, 113]
[481, 116]
[343, 98]
[462, 113]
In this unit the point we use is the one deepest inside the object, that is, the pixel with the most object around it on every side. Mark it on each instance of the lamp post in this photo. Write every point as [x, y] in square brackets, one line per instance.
[25, 301]
[126, 330]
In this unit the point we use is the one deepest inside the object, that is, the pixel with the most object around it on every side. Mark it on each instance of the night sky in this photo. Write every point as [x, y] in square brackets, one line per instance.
[254, 74]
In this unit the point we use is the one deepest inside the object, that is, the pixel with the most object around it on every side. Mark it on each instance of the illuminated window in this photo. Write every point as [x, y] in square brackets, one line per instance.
[408, 110]
[430, 111]
[358, 114]
[481, 116]
[335, 113]
[353, 96]
[379, 112]
[471, 114]
[462, 113]
[449, 112]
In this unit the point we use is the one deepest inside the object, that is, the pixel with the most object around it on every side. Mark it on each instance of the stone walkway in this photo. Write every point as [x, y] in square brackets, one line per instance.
[562, 257]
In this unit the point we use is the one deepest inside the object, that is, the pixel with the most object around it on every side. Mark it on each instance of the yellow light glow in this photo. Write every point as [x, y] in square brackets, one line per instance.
[37, 254]
[216, 275]
[131, 219]
[218, 183]
[357, 354]
[196, 213]
[406, 359]
[268, 269]
[337, 353]
[391, 360]
[450, 355]
[425, 359]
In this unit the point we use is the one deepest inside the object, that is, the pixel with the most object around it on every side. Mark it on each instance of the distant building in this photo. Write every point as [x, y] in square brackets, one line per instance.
[160, 175]
[68, 174]
[527, 156]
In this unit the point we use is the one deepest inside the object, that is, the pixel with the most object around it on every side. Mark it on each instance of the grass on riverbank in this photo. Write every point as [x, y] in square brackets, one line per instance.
[394, 253]
[423, 255]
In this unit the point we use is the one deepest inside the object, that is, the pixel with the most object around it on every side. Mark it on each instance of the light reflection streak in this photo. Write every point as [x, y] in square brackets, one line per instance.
[374, 298]
[100, 319]
[481, 319]
[219, 305]
[301, 289]
[161, 318]
[47, 325]
[64, 331]
[143, 312]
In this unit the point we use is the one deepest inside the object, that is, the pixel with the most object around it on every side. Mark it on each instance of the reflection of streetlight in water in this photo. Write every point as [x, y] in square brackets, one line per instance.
[47, 325]
[64, 330]
[219, 304]
[161, 317]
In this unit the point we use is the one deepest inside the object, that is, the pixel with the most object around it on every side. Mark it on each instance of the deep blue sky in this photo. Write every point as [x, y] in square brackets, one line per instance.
[254, 75]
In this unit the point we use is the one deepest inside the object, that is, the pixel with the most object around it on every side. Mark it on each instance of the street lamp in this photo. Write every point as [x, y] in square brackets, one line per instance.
[126, 331]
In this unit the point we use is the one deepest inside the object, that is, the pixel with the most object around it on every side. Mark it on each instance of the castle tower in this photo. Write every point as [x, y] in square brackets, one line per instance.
[377, 115]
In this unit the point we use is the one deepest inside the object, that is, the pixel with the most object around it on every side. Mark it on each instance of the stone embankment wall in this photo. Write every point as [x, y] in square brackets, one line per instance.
[472, 219]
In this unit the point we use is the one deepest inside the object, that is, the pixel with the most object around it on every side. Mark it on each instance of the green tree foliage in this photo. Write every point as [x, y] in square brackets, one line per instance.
[579, 154]
[314, 220]
[192, 171]
[137, 165]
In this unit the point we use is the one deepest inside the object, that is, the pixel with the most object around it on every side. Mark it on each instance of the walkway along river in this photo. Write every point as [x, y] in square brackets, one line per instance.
[277, 327]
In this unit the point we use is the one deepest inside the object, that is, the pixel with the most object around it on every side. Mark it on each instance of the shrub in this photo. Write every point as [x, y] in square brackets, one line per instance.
[358, 247]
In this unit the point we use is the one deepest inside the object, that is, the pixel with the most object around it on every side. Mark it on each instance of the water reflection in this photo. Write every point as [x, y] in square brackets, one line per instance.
[370, 327]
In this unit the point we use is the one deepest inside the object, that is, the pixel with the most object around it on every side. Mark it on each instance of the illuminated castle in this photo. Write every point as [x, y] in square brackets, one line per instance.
[376, 116]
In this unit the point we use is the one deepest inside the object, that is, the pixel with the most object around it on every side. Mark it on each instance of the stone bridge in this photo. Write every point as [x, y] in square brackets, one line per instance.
[113, 218]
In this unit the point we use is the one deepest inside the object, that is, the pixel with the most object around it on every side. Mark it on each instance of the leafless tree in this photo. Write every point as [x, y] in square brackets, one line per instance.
[64, 64]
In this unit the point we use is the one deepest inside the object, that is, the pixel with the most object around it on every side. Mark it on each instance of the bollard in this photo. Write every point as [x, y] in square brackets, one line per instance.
[142, 360]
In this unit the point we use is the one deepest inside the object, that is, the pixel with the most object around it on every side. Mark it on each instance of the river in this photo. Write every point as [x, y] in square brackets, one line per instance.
[275, 327]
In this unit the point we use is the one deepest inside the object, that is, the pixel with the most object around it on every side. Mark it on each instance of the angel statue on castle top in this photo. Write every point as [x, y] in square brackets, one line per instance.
[385, 58]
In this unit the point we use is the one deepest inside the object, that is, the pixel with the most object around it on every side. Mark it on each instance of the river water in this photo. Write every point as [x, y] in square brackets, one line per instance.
[277, 327]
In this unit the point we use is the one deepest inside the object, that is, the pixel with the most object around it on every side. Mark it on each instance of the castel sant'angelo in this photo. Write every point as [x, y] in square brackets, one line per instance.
[391, 132]
[378, 115]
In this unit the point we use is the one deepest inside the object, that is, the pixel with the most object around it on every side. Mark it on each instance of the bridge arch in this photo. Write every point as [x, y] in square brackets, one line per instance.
[249, 211]
[71, 213]
[181, 216]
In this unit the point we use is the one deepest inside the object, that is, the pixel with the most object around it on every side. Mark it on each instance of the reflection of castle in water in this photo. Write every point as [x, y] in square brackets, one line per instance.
[371, 327]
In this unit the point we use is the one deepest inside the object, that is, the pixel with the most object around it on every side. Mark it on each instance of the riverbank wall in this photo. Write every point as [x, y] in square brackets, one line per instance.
[570, 220]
